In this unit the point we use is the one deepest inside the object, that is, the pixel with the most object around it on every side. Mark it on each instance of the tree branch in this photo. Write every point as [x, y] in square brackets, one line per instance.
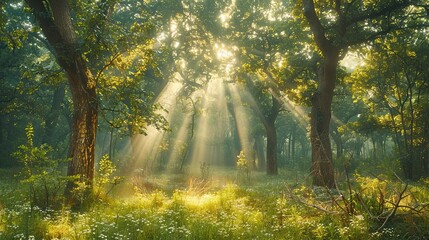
[316, 27]
[369, 15]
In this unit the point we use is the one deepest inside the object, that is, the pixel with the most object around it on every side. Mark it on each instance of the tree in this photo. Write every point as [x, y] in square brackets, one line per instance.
[264, 51]
[339, 26]
[266, 107]
[396, 76]
[54, 19]
[29, 78]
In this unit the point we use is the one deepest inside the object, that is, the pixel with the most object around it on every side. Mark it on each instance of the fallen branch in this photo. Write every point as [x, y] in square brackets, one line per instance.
[320, 208]
[395, 207]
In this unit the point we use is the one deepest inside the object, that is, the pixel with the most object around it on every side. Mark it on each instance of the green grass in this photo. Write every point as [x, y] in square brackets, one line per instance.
[264, 208]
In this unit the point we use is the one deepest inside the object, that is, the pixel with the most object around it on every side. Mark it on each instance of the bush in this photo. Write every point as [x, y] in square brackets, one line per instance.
[41, 175]
[105, 180]
[243, 167]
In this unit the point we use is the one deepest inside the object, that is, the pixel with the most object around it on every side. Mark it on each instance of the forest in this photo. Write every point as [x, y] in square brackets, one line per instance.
[203, 119]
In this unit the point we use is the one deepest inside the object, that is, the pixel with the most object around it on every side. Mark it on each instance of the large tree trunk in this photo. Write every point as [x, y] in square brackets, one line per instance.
[84, 127]
[322, 167]
[58, 29]
[330, 46]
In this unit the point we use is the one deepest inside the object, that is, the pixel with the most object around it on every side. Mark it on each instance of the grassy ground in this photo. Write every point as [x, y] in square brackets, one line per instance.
[229, 205]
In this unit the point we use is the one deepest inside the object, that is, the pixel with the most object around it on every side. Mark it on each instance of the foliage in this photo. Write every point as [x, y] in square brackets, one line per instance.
[262, 211]
[136, 48]
[393, 86]
[243, 168]
[104, 183]
[105, 179]
[41, 176]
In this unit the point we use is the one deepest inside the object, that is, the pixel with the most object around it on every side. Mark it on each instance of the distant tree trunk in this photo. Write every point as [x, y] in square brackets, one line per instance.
[289, 147]
[338, 141]
[339, 146]
[268, 120]
[271, 150]
[374, 147]
[425, 160]
[425, 143]
[293, 141]
[2, 135]
[52, 118]
[270, 127]
[235, 138]
[259, 146]
[190, 139]
[58, 29]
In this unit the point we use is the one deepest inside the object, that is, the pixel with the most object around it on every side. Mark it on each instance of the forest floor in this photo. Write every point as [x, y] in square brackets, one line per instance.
[228, 205]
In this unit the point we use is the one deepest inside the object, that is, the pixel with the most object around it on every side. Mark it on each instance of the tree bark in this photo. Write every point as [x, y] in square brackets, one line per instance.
[58, 29]
[322, 167]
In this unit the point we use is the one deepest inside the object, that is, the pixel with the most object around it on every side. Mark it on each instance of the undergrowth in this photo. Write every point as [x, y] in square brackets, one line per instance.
[269, 208]
[248, 206]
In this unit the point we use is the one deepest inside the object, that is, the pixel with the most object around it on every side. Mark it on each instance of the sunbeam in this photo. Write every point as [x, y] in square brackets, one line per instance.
[144, 149]
[241, 119]
[207, 146]
[180, 145]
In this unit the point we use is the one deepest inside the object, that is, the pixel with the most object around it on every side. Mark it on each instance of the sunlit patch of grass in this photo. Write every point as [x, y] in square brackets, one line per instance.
[207, 202]
[59, 227]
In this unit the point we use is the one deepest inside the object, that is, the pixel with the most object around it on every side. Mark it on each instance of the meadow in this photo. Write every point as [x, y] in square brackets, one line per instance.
[227, 205]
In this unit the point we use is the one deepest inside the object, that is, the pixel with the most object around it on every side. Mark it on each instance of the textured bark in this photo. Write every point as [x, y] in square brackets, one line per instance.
[322, 166]
[58, 29]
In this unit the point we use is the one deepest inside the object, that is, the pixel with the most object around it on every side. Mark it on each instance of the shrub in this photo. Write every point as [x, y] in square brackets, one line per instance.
[105, 179]
[41, 175]
[243, 167]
